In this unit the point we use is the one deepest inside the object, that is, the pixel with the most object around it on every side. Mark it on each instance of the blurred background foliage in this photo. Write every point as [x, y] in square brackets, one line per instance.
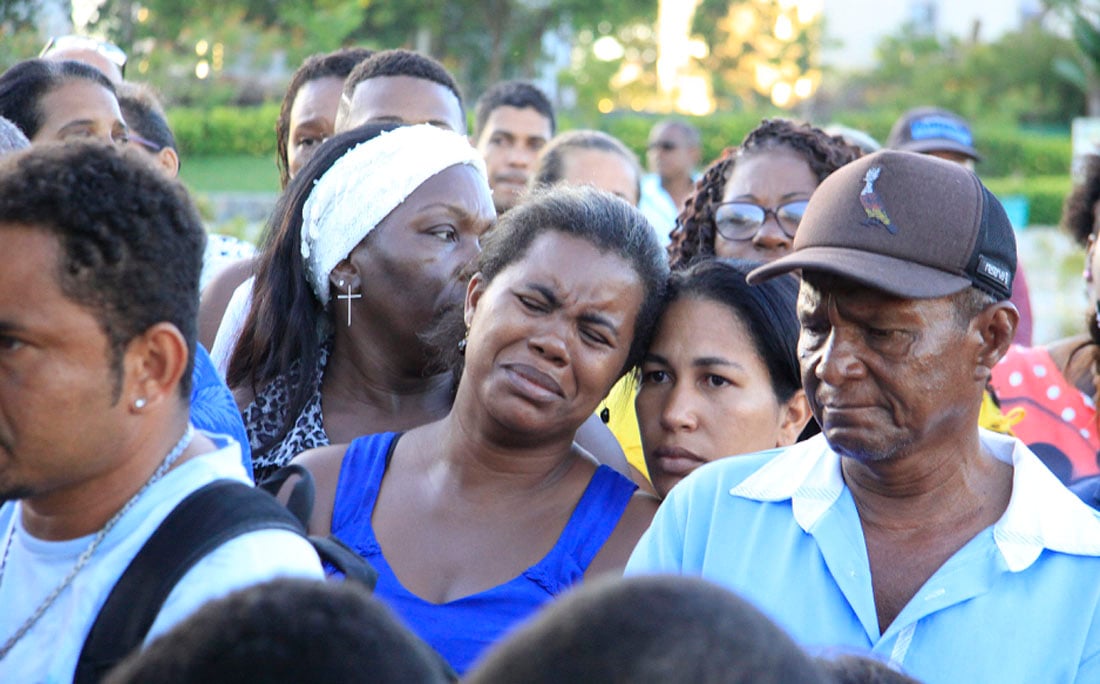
[222, 65]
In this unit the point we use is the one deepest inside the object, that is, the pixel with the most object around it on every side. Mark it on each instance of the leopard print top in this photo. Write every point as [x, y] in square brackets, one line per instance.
[264, 417]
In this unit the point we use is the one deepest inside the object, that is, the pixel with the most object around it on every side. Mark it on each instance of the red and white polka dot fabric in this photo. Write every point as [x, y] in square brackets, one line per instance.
[1059, 421]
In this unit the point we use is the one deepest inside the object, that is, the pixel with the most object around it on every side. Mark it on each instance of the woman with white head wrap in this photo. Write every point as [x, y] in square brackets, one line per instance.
[368, 245]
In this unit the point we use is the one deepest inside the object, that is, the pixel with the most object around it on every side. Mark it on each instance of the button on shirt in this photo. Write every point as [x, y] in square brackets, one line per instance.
[1020, 602]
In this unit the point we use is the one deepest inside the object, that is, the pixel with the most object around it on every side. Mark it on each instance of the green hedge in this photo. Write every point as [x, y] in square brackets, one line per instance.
[225, 131]
[1006, 150]
[1017, 161]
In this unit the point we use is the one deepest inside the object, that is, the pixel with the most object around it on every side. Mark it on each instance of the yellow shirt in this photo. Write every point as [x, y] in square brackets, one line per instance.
[622, 420]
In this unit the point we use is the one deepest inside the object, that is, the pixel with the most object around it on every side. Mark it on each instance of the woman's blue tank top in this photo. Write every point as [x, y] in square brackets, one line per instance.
[462, 629]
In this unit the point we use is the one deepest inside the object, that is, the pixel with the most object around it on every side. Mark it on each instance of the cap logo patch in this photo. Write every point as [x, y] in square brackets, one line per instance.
[994, 271]
[872, 203]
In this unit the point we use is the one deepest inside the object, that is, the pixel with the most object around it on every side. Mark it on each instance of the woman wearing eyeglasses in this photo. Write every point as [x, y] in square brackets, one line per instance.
[750, 201]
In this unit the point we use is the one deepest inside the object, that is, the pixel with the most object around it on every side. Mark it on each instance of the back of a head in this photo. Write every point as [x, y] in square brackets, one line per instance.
[11, 138]
[144, 114]
[930, 130]
[550, 167]
[854, 136]
[1078, 210]
[518, 94]
[23, 85]
[287, 630]
[131, 240]
[648, 630]
[401, 63]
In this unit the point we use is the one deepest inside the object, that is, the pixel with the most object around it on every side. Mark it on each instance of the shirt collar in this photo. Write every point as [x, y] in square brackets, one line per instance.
[1041, 513]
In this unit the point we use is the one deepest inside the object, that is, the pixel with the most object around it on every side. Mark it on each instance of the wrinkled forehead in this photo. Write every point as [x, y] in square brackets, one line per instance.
[819, 286]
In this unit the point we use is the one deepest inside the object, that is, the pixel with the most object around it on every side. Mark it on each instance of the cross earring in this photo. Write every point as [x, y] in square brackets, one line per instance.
[349, 296]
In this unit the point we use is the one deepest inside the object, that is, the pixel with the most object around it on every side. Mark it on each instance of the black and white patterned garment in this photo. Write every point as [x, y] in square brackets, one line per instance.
[264, 416]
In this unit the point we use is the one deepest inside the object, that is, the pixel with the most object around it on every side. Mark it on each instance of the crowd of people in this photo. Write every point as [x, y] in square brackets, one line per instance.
[779, 415]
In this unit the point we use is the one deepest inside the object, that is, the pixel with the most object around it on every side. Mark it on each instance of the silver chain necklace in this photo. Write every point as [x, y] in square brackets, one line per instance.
[165, 465]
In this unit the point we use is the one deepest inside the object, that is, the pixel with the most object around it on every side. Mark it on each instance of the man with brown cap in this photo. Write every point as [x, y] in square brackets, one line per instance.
[904, 529]
[942, 133]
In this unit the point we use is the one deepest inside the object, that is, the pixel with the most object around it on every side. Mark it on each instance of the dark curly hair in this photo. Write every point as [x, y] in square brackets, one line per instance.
[1078, 219]
[24, 85]
[694, 233]
[336, 64]
[132, 242]
[1077, 212]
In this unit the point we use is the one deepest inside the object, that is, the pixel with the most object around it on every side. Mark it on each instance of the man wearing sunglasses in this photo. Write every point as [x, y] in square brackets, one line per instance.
[673, 153]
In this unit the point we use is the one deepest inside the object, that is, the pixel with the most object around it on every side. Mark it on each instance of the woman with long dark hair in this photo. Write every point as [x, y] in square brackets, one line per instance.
[369, 246]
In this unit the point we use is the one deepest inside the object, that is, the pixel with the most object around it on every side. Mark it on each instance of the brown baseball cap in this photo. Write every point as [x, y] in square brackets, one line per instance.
[908, 224]
[931, 129]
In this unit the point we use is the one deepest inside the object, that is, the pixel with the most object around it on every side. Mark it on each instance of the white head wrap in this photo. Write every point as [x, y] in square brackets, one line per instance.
[362, 187]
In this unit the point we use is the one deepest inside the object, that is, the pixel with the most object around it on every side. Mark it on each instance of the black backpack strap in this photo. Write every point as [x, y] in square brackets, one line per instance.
[300, 502]
[202, 522]
[206, 519]
[332, 550]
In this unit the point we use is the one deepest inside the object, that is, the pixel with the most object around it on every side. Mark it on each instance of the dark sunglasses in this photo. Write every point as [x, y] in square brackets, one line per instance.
[663, 145]
[112, 52]
[742, 220]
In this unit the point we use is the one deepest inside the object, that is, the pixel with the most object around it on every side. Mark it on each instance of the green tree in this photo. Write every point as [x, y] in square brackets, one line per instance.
[1013, 78]
[481, 40]
[1083, 68]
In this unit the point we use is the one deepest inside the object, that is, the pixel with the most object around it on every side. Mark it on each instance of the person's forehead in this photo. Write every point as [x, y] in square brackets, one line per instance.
[526, 121]
[670, 132]
[79, 98]
[460, 187]
[317, 98]
[35, 269]
[602, 169]
[407, 99]
[819, 284]
[566, 262]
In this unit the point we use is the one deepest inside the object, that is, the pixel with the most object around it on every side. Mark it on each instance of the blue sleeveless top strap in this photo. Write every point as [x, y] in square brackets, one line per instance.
[462, 629]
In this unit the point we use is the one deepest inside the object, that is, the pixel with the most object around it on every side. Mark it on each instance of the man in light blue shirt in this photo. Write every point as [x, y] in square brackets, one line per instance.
[673, 152]
[903, 529]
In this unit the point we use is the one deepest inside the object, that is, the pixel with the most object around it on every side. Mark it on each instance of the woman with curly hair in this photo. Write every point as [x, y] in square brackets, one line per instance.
[1057, 385]
[771, 175]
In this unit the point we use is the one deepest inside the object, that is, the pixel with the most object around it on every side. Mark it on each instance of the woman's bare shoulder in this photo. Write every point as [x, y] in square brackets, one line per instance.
[323, 463]
[617, 549]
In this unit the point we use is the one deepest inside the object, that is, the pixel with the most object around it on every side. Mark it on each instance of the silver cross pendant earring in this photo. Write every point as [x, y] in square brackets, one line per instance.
[349, 296]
